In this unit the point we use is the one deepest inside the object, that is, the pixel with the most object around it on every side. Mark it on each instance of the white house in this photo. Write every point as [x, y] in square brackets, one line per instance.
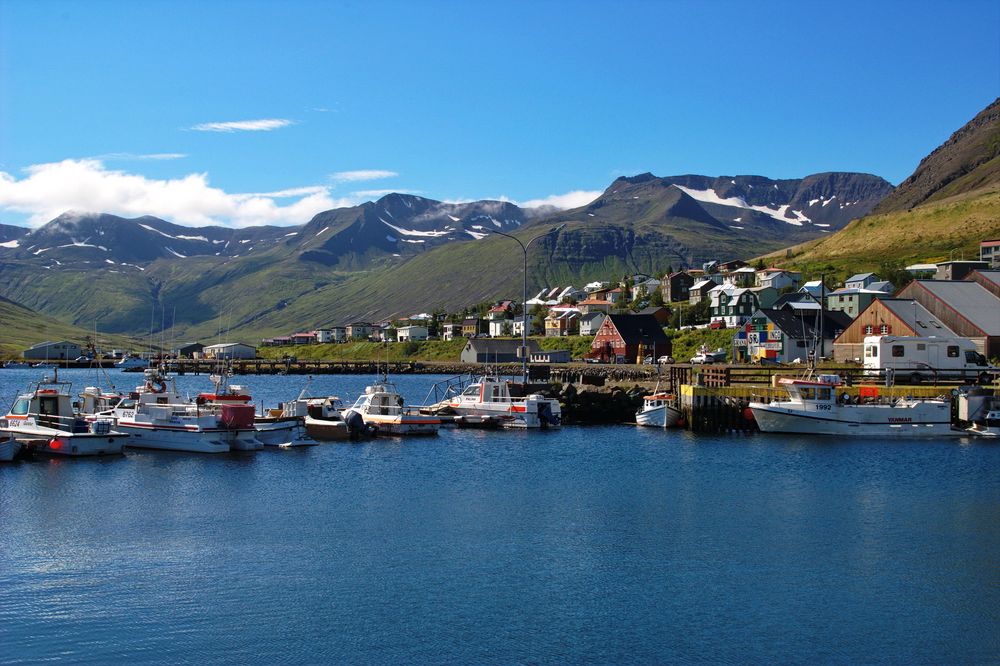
[591, 322]
[411, 333]
[860, 281]
[229, 350]
[451, 331]
[778, 278]
[323, 335]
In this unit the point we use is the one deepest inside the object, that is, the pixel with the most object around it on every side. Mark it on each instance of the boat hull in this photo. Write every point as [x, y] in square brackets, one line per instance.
[9, 448]
[509, 416]
[190, 441]
[920, 420]
[326, 430]
[283, 433]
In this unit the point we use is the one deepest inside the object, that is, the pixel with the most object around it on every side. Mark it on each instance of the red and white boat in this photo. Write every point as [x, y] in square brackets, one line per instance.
[156, 416]
[45, 421]
[490, 397]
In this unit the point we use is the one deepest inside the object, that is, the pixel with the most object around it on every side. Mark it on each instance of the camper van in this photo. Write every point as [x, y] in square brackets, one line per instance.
[915, 359]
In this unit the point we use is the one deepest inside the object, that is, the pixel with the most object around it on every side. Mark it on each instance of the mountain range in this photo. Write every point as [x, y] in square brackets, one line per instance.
[403, 253]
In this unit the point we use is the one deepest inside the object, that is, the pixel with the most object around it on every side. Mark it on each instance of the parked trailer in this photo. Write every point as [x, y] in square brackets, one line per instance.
[916, 359]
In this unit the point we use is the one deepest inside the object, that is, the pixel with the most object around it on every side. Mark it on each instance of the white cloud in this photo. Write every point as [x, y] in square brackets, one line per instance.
[262, 125]
[48, 190]
[362, 174]
[573, 199]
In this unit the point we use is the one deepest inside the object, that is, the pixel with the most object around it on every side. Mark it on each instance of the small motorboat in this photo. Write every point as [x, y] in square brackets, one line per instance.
[382, 407]
[490, 397]
[659, 409]
[45, 420]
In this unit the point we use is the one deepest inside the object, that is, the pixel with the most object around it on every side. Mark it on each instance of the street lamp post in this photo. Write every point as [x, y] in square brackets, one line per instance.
[524, 296]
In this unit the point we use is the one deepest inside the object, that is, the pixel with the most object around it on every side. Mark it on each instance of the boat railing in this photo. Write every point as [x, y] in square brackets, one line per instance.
[448, 388]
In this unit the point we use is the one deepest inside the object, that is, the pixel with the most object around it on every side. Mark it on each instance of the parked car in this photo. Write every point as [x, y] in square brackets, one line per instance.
[704, 357]
[716, 325]
[665, 359]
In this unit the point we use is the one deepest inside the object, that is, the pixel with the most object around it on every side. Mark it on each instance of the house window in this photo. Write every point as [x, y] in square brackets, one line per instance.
[921, 346]
[897, 351]
[869, 329]
[800, 343]
[884, 329]
[952, 351]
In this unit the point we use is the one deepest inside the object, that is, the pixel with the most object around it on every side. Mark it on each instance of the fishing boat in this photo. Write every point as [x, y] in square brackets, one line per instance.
[814, 408]
[659, 409]
[490, 397]
[16, 364]
[9, 448]
[382, 407]
[132, 364]
[157, 416]
[44, 420]
[283, 427]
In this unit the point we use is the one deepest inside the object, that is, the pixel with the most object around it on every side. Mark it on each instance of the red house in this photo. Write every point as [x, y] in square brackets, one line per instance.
[629, 338]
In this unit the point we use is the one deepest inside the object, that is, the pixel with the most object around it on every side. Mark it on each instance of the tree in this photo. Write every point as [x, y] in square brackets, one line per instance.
[760, 265]
[894, 272]
[691, 316]
[539, 313]
[656, 299]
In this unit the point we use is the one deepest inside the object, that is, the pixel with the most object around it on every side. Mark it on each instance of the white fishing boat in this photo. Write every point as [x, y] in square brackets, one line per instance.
[9, 448]
[814, 408]
[382, 408]
[157, 416]
[490, 397]
[132, 363]
[16, 364]
[659, 409]
[45, 421]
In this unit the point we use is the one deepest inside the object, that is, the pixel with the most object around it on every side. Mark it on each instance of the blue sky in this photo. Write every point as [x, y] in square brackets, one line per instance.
[109, 105]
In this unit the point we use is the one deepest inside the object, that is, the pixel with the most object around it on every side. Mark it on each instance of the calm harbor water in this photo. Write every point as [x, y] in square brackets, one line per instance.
[601, 544]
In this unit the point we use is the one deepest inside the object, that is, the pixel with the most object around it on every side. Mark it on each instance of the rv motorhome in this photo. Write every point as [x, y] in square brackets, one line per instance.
[916, 359]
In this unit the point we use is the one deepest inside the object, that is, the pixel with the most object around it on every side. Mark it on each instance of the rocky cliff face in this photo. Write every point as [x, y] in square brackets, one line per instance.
[968, 160]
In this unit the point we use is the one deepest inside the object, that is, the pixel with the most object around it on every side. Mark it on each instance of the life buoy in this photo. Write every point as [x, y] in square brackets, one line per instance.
[158, 386]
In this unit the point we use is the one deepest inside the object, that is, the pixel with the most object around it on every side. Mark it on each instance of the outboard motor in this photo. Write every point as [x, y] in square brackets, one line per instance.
[355, 424]
[545, 416]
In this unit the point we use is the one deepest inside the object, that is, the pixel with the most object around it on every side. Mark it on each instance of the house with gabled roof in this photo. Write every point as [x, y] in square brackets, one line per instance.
[677, 286]
[860, 281]
[591, 322]
[626, 338]
[989, 280]
[888, 316]
[786, 336]
[778, 278]
[964, 306]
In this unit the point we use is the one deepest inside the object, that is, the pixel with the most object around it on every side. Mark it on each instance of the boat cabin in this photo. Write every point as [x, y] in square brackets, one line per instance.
[823, 389]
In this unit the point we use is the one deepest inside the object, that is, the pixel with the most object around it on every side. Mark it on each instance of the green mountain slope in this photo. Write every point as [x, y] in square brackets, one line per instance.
[21, 327]
[936, 231]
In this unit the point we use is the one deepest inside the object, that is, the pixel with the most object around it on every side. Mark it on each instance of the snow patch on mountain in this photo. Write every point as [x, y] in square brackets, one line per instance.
[414, 232]
[10, 244]
[710, 196]
[175, 253]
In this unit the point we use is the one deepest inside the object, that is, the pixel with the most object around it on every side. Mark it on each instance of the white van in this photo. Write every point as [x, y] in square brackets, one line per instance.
[915, 359]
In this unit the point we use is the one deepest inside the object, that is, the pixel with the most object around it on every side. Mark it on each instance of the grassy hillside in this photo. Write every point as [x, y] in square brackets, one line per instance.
[21, 328]
[931, 232]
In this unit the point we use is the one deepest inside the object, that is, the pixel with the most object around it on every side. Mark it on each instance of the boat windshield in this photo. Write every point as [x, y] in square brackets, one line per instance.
[814, 393]
[472, 389]
[20, 407]
[361, 402]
